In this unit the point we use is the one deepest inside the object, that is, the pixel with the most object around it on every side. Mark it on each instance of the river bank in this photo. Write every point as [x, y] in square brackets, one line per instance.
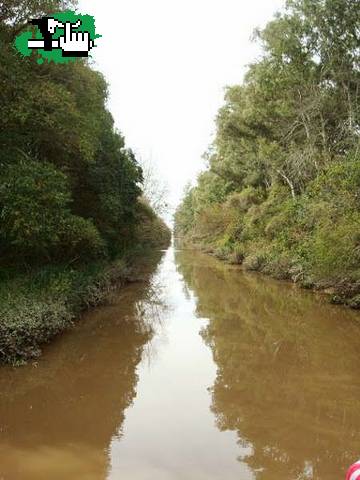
[343, 291]
[38, 305]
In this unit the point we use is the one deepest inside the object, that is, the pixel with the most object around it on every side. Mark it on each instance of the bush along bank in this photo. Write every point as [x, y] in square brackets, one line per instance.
[313, 240]
[38, 305]
[281, 192]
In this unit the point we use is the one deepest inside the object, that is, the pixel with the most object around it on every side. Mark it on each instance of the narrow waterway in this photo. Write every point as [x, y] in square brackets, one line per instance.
[201, 372]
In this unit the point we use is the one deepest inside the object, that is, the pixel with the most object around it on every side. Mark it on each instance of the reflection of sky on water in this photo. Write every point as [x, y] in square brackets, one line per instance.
[170, 432]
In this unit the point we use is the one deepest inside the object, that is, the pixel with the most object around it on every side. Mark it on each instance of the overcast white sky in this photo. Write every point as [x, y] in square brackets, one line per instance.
[167, 63]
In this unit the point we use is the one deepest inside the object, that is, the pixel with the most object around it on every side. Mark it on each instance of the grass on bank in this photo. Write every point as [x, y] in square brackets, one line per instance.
[36, 306]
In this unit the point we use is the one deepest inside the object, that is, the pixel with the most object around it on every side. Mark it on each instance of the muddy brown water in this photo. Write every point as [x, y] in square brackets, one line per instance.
[243, 378]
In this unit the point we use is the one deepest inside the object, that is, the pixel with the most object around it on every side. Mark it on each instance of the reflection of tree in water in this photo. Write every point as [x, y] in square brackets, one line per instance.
[78, 394]
[152, 310]
[288, 369]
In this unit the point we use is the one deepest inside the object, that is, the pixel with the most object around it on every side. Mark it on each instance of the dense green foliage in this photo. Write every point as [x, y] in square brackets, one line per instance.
[281, 191]
[70, 192]
[69, 188]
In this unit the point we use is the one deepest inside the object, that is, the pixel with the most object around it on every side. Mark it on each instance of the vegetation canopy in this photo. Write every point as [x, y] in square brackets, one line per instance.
[281, 189]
